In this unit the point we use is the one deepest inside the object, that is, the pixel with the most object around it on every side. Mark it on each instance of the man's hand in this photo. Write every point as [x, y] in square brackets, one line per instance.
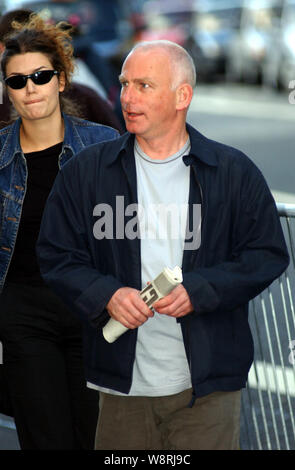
[127, 307]
[176, 304]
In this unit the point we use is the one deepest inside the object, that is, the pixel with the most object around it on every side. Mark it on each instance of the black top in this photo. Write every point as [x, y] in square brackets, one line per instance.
[42, 170]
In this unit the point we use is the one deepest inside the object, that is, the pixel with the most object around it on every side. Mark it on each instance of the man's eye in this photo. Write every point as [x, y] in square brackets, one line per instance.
[144, 85]
[124, 84]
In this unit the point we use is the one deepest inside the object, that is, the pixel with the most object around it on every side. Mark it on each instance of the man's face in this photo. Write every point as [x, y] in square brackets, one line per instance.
[148, 102]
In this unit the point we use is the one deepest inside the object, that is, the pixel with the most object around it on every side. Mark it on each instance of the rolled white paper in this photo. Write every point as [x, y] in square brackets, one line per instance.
[162, 285]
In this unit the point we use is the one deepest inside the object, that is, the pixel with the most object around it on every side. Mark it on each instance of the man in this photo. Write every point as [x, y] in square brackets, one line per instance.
[173, 380]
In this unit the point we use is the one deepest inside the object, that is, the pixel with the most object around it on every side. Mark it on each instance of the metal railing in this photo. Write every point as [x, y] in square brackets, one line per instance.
[268, 402]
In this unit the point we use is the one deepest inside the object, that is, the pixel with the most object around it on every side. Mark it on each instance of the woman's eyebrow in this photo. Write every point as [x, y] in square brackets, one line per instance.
[35, 70]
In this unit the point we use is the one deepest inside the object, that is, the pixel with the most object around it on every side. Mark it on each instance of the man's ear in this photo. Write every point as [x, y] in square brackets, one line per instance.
[184, 94]
[62, 81]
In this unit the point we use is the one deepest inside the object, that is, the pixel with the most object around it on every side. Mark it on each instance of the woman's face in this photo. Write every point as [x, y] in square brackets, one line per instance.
[34, 101]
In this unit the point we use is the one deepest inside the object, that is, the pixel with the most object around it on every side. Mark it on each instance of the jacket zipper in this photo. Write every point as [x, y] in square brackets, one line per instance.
[191, 404]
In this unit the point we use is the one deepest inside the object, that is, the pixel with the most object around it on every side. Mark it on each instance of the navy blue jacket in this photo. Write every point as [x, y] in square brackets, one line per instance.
[242, 251]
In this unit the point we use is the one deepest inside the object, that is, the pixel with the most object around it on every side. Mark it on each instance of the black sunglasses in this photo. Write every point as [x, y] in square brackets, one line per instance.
[16, 82]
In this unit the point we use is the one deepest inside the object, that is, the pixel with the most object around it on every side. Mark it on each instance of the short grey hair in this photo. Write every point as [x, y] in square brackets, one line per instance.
[182, 64]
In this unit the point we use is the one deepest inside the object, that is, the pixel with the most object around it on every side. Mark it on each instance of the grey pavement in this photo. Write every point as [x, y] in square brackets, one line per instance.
[8, 435]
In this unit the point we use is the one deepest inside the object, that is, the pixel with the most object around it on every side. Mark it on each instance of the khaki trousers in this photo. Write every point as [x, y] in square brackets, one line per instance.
[167, 423]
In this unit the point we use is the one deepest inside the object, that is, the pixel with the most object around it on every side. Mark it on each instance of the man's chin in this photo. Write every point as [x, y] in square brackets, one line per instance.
[132, 127]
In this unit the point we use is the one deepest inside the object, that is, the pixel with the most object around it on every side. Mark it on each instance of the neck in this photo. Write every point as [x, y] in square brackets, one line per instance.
[162, 147]
[40, 134]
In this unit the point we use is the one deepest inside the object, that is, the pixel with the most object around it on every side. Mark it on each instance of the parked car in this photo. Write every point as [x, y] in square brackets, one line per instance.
[279, 65]
[260, 22]
[167, 19]
[214, 26]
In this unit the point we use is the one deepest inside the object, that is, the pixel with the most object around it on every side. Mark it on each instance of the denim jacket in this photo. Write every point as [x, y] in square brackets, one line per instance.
[13, 175]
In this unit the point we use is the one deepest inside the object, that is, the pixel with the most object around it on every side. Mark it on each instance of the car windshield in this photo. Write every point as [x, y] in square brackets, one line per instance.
[165, 15]
[219, 19]
[264, 18]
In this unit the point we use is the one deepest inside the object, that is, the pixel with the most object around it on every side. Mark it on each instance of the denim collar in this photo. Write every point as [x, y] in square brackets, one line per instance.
[72, 139]
[11, 145]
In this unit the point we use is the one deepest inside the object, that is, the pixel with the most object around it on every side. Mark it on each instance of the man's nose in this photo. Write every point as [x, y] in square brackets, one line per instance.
[127, 95]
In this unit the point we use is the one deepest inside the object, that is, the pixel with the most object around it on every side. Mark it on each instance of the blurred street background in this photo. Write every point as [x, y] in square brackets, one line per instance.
[244, 53]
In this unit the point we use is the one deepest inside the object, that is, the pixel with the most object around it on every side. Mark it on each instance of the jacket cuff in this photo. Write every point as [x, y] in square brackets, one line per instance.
[93, 300]
[201, 293]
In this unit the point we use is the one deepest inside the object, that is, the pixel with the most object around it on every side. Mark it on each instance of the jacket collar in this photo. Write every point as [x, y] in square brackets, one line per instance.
[11, 145]
[201, 147]
[72, 138]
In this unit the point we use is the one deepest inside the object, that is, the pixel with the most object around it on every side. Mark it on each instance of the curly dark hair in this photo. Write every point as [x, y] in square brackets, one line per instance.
[53, 40]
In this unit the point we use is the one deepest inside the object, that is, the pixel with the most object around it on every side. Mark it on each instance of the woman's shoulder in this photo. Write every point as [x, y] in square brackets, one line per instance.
[7, 131]
[83, 127]
[80, 133]
[79, 122]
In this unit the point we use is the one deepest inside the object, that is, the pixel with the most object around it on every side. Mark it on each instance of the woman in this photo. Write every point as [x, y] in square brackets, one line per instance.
[41, 339]
[83, 101]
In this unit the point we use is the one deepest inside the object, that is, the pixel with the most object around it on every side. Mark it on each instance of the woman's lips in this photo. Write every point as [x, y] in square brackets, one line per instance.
[33, 102]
